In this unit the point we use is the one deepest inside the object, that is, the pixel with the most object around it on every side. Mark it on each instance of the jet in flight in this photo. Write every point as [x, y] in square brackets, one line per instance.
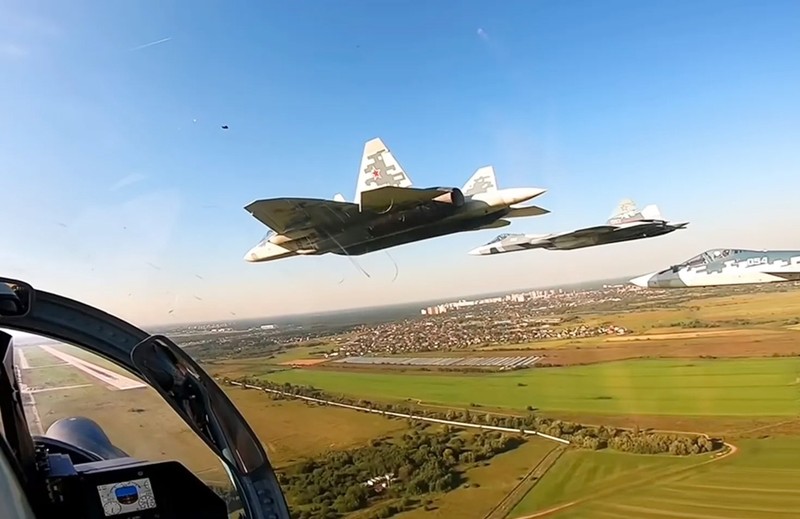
[388, 211]
[727, 267]
[626, 223]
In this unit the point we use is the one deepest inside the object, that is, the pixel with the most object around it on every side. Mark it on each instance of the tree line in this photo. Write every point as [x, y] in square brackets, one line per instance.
[638, 441]
[418, 463]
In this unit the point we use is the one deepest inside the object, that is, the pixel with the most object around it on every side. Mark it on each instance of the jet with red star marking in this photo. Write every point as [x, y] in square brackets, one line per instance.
[388, 211]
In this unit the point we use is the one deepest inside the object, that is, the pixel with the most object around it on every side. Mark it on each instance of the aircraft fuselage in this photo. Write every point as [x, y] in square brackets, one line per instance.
[738, 267]
[411, 234]
[373, 231]
[624, 234]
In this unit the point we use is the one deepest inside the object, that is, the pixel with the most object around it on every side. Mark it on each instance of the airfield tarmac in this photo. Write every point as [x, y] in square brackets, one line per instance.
[59, 381]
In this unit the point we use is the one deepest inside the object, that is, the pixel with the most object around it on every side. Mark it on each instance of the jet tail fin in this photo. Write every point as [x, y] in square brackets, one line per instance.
[379, 168]
[625, 212]
[482, 181]
[338, 197]
[651, 212]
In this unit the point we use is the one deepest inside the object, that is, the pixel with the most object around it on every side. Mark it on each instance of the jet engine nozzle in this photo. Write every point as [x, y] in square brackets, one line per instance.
[454, 196]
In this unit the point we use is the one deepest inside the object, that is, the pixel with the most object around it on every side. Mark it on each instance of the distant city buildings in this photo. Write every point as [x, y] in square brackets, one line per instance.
[509, 298]
[501, 322]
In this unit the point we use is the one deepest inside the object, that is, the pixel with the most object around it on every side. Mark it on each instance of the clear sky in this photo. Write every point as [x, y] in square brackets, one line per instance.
[122, 190]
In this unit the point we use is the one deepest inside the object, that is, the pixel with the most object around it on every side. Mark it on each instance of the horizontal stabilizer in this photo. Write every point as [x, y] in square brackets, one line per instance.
[530, 210]
[495, 225]
[389, 197]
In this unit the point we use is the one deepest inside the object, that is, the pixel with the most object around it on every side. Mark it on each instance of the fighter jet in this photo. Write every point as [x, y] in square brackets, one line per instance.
[626, 223]
[727, 267]
[388, 211]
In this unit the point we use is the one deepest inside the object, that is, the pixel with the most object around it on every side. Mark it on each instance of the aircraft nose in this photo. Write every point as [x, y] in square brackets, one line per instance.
[252, 255]
[478, 251]
[642, 281]
[523, 194]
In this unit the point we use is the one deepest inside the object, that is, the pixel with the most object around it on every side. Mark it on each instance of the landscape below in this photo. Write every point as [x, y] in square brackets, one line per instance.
[675, 403]
[722, 363]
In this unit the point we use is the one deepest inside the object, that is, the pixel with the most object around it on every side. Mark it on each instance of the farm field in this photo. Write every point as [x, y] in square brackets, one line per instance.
[721, 387]
[714, 343]
[770, 309]
[293, 430]
[762, 479]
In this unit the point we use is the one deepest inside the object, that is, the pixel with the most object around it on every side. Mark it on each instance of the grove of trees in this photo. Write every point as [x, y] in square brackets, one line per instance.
[418, 463]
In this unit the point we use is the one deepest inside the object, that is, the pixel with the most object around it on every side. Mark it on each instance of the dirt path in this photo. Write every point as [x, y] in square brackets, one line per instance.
[507, 504]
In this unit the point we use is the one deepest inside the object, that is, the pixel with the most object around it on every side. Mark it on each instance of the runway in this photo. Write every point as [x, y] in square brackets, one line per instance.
[119, 382]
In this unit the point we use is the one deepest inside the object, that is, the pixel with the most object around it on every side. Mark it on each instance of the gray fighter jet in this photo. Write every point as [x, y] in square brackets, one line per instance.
[727, 267]
[387, 212]
[626, 223]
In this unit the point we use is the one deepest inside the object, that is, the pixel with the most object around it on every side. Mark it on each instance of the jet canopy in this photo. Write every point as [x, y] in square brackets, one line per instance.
[501, 237]
[266, 237]
[709, 256]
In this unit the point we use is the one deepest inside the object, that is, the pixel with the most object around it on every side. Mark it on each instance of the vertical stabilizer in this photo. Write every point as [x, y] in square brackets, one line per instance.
[625, 211]
[482, 181]
[651, 212]
[379, 168]
[338, 197]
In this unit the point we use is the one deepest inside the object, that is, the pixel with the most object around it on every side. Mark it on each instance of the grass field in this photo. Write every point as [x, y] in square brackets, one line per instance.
[729, 387]
[761, 308]
[292, 430]
[761, 480]
[581, 473]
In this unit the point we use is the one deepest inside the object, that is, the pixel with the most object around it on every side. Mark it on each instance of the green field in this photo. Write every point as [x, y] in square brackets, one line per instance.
[581, 473]
[723, 387]
[770, 308]
[761, 480]
[292, 430]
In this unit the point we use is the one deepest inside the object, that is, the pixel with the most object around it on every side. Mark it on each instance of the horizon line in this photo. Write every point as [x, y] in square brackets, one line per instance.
[421, 301]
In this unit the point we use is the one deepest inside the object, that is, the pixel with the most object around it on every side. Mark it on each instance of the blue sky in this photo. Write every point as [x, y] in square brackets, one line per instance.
[119, 198]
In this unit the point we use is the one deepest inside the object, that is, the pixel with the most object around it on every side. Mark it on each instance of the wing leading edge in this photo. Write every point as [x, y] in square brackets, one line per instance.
[297, 217]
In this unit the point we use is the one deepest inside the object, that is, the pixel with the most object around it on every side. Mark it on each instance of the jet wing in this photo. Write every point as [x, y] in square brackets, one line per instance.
[494, 225]
[598, 229]
[528, 210]
[388, 197]
[553, 240]
[298, 217]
